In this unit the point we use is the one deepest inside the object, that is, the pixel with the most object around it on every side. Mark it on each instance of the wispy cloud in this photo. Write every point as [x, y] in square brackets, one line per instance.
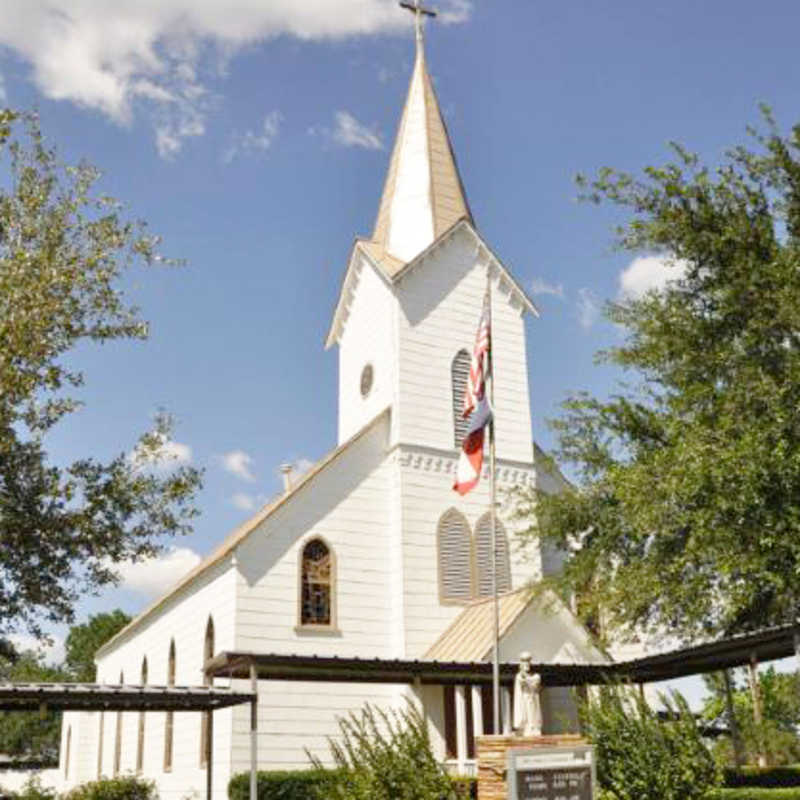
[588, 308]
[540, 286]
[253, 141]
[238, 463]
[129, 57]
[349, 132]
[3, 95]
[51, 650]
[244, 502]
[155, 575]
[648, 274]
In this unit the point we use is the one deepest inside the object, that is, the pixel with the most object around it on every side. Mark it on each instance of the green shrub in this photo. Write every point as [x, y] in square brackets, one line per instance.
[128, 787]
[307, 784]
[641, 757]
[466, 788]
[387, 756]
[763, 776]
[33, 790]
[753, 793]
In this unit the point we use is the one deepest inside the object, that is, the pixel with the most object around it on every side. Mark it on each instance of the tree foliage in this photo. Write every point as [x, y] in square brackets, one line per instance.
[777, 736]
[84, 640]
[63, 250]
[686, 515]
[642, 757]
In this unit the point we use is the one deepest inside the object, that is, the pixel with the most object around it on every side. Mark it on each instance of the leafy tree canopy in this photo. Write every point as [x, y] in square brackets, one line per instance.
[83, 641]
[63, 249]
[686, 515]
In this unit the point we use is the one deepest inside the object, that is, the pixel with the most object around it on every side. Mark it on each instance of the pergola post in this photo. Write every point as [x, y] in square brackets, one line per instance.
[758, 714]
[505, 697]
[254, 733]
[732, 724]
[461, 728]
[477, 711]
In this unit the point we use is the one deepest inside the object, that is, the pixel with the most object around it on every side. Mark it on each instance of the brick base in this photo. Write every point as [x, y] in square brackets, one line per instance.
[492, 760]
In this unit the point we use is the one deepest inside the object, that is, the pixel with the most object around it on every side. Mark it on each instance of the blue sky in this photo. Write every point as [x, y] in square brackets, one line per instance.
[254, 137]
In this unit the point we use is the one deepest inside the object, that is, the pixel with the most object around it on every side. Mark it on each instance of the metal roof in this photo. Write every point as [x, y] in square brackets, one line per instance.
[764, 645]
[102, 697]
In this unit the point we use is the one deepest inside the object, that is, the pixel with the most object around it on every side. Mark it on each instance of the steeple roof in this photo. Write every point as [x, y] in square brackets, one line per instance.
[423, 195]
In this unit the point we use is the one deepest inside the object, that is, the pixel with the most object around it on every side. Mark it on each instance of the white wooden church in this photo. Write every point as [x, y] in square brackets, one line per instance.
[370, 554]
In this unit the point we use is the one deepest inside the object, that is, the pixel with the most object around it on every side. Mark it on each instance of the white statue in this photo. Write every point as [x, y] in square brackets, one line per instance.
[527, 706]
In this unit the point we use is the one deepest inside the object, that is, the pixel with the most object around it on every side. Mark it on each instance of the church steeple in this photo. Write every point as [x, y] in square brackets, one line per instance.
[423, 195]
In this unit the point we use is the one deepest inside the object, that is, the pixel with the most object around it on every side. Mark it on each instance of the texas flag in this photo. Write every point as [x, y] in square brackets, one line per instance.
[476, 405]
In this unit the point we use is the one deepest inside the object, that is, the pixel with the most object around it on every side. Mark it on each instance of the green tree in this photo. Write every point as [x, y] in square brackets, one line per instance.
[642, 757]
[63, 249]
[777, 736]
[84, 640]
[30, 734]
[686, 514]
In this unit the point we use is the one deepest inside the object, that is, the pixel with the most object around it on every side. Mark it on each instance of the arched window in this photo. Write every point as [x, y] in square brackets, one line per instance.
[118, 734]
[169, 725]
[67, 749]
[454, 549]
[208, 652]
[483, 557]
[459, 374]
[316, 584]
[140, 737]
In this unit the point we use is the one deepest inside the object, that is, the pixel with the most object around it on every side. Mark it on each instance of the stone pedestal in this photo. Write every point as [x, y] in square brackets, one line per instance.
[490, 753]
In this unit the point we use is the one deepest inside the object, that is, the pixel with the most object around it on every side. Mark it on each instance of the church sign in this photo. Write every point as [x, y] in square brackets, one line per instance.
[551, 773]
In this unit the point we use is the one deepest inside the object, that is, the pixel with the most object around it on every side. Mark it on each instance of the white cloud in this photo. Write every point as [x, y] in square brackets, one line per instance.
[52, 651]
[238, 463]
[349, 132]
[541, 286]
[155, 575]
[649, 273]
[126, 56]
[168, 454]
[588, 308]
[245, 502]
[252, 141]
[3, 95]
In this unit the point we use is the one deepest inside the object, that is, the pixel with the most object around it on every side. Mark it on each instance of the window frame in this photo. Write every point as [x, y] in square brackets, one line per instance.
[443, 599]
[331, 627]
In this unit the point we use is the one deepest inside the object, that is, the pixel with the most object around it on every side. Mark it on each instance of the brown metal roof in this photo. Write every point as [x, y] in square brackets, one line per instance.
[102, 697]
[470, 636]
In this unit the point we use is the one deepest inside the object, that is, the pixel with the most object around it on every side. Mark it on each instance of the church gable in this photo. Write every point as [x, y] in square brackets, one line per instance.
[337, 531]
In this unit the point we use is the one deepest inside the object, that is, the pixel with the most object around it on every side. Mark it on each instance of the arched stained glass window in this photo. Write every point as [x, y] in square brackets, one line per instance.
[140, 736]
[208, 652]
[317, 579]
[169, 724]
[483, 557]
[118, 733]
[459, 373]
[454, 549]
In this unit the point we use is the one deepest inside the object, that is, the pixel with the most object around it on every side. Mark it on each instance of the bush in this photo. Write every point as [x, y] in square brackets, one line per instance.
[33, 790]
[753, 793]
[128, 787]
[466, 788]
[764, 777]
[639, 756]
[387, 756]
[308, 784]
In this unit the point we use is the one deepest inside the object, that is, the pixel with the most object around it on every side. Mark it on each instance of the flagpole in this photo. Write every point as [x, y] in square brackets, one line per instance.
[493, 500]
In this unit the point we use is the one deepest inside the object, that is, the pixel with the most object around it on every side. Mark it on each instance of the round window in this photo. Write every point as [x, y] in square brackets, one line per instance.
[366, 380]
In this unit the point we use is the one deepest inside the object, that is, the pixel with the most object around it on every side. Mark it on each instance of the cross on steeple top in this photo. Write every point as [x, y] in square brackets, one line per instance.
[419, 12]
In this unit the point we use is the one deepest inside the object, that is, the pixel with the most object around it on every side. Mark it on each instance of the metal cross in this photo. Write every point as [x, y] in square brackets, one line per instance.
[419, 12]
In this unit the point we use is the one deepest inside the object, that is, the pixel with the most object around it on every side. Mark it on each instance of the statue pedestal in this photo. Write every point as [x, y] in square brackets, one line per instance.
[492, 755]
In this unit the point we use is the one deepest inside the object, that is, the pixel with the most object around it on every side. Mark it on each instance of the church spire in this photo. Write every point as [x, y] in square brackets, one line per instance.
[423, 195]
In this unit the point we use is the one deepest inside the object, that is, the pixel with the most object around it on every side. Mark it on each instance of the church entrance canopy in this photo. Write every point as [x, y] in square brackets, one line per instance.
[765, 645]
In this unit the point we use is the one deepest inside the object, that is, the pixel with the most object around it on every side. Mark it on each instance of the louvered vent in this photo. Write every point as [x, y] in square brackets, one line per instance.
[483, 553]
[455, 558]
[460, 375]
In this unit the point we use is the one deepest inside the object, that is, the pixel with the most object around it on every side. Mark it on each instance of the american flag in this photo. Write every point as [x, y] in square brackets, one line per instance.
[478, 368]
[476, 405]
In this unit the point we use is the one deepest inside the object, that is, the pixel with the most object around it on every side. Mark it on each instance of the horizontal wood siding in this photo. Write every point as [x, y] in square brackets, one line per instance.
[368, 338]
[440, 303]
